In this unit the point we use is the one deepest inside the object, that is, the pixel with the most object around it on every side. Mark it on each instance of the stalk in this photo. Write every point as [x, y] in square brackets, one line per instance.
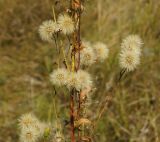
[76, 44]
[72, 115]
[72, 130]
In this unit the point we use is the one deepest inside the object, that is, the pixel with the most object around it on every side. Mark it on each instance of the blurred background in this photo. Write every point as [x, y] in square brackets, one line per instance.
[26, 61]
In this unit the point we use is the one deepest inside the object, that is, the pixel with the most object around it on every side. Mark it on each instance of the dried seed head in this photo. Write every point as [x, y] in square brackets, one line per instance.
[101, 51]
[29, 135]
[129, 60]
[79, 80]
[72, 81]
[27, 120]
[132, 43]
[66, 24]
[31, 126]
[83, 121]
[59, 77]
[87, 54]
[47, 29]
[84, 79]
[130, 52]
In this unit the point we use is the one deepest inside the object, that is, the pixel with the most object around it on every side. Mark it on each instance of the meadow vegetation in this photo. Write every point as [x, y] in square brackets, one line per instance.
[133, 113]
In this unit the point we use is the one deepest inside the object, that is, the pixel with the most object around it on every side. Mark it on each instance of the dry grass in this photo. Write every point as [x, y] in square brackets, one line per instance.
[25, 63]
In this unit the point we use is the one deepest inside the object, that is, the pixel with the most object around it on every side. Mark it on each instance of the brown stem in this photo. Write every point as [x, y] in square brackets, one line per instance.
[79, 34]
[78, 65]
[76, 13]
[78, 114]
[72, 115]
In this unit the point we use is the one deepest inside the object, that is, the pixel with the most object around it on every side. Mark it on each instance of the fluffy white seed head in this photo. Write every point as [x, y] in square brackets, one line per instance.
[72, 81]
[79, 80]
[29, 135]
[129, 60]
[66, 24]
[132, 43]
[58, 77]
[130, 52]
[87, 54]
[84, 79]
[101, 51]
[47, 29]
[27, 120]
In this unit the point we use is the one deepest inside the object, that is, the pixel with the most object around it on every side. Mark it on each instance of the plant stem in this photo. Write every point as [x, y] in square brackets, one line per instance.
[72, 115]
[78, 114]
[79, 34]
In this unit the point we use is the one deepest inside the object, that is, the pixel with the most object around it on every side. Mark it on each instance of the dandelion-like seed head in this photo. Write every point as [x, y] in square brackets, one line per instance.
[72, 81]
[132, 43]
[79, 80]
[29, 135]
[47, 29]
[59, 76]
[129, 60]
[31, 127]
[87, 56]
[101, 51]
[130, 52]
[27, 120]
[84, 79]
[66, 24]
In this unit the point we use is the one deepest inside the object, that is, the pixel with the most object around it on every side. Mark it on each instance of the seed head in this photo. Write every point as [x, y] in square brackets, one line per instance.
[132, 43]
[101, 51]
[84, 79]
[47, 29]
[87, 55]
[27, 120]
[72, 81]
[58, 77]
[29, 135]
[130, 52]
[66, 24]
[129, 60]
[79, 80]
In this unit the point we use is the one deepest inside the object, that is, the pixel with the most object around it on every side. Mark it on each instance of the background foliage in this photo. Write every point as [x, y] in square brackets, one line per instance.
[26, 61]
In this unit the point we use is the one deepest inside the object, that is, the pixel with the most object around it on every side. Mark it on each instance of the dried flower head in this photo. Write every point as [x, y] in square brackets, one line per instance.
[66, 24]
[47, 29]
[101, 51]
[84, 79]
[59, 76]
[72, 81]
[130, 52]
[129, 60]
[132, 43]
[27, 120]
[29, 135]
[79, 80]
[87, 55]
